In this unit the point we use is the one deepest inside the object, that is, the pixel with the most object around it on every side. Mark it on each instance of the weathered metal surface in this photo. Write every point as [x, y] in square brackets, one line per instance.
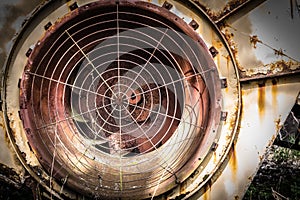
[236, 10]
[222, 12]
[264, 112]
[258, 69]
[274, 70]
[266, 36]
[13, 15]
[43, 114]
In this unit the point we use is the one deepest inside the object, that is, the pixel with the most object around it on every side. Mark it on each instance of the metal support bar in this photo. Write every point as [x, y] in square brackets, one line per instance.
[258, 77]
[238, 12]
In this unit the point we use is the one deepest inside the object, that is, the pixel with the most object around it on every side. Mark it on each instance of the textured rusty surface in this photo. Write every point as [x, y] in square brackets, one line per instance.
[242, 47]
[232, 10]
[44, 109]
[273, 70]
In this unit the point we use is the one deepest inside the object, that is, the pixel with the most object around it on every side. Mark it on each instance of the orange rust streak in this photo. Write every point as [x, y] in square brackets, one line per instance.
[219, 61]
[183, 187]
[274, 96]
[215, 157]
[278, 127]
[233, 163]
[261, 100]
[228, 64]
[206, 195]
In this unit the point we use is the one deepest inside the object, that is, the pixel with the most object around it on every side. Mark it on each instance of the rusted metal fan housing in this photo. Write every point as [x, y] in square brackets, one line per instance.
[114, 99]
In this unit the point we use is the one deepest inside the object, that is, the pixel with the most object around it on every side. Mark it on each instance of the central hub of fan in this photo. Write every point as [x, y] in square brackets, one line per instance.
[139, 112]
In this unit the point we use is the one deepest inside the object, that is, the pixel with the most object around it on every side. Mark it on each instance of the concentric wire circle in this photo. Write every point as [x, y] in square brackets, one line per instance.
[116, 98]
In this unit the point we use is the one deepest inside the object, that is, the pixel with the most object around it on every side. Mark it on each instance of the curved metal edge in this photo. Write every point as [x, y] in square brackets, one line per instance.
[221, 165]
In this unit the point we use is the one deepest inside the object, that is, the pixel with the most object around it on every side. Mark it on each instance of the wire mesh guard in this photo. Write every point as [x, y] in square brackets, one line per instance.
[114, 99]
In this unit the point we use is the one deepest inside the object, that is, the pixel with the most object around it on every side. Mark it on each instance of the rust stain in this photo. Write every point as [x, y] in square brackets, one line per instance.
[159, 1]
[216, 42]
[254, 40]
[228, 64]
[233, 163]
[215, 157]
[276, 68]
[232, 121]
[261, 99]
[215, 15]
[206, 195]
[183, 187]
[219, 61]
[277, 124]
[274, 95]
[233, 46]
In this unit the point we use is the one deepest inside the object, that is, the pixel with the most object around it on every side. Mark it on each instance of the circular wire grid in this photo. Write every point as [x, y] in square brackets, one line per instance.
[115, 99]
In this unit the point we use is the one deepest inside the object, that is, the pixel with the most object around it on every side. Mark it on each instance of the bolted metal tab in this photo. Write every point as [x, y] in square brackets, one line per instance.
[28, 52]
[167, 5]
[73, 6]
[214, 146]
[213, 51]
[224, 116]
[19, 83]
[224, 83]
[47, 26]
[194, 24]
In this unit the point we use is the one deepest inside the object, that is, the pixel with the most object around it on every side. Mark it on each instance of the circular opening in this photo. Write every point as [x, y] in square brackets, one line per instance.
[116, 98]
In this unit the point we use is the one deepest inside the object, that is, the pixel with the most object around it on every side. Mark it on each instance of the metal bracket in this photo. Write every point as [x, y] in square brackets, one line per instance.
[167, 5]
[194, 24]
[213, 51]
[214, 146]
[224, 83]
[47, 26]
[73, 6]
[28, 52]
[224, 116]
